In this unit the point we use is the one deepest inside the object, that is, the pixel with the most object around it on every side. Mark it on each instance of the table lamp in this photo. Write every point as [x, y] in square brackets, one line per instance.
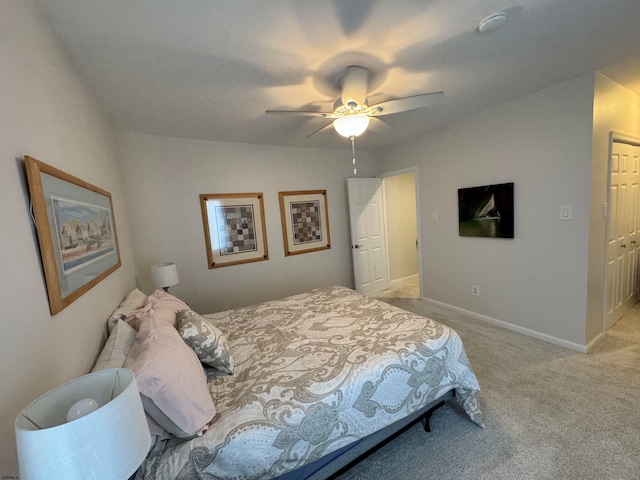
[164, 275]
[90, 428]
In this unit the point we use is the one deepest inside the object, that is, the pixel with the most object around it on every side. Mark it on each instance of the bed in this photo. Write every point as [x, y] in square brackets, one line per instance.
[318, 379]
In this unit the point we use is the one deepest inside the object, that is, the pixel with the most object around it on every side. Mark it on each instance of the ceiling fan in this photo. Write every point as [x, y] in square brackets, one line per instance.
[351, 114]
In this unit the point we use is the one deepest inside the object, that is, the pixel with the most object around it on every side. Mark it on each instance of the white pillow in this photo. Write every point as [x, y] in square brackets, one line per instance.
[135, 300]
[115, 350]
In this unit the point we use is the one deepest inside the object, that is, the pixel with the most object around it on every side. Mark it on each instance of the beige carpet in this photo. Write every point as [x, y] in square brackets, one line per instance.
[551, 413]
[406, 288]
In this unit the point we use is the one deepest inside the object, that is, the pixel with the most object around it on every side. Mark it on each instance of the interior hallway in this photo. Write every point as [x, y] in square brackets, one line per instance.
[405, 288]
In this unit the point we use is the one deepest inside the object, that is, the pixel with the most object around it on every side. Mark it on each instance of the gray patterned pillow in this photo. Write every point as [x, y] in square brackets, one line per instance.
[206, 340]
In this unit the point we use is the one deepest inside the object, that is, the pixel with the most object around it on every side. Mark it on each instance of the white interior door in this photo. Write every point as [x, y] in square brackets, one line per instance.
[623, 268]
[368, 244]
[633, 271]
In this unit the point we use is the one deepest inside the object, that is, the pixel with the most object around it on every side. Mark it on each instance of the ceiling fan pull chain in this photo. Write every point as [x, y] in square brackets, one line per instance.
[353, 153]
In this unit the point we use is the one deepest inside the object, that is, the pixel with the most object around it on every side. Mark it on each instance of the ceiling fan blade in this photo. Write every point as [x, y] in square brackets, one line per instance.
[326, 127]
[355, 84]
[303, 113]
[379, 126]
[406, 104]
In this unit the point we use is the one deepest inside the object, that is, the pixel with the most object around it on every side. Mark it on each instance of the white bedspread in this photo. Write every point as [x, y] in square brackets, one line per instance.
[313, 373]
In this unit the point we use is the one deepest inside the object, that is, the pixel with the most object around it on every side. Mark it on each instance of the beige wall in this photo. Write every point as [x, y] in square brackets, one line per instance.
[45, 112]
[165, 177]
[545, 142]
[402, 232]
[614, 108]
[536, 282]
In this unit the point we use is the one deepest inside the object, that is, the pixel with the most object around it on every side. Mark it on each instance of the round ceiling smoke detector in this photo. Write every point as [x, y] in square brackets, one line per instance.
[492, 22]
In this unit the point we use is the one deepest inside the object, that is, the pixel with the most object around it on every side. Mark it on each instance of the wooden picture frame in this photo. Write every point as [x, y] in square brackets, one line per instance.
[76, 231]
[305, 221]
[234, 228]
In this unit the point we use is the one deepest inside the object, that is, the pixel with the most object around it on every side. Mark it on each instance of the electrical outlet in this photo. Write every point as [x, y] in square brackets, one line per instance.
[475, 290]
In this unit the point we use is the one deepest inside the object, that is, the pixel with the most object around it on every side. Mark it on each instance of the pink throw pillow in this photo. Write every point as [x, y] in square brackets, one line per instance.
[171, 381]
[161, 306]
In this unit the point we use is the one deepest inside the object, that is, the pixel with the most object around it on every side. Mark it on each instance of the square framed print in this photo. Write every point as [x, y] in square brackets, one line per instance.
[76, 232]
[305, 221]
[234, 228]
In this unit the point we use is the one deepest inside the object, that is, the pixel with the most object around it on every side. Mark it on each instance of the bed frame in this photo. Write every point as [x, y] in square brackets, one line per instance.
[336, 463]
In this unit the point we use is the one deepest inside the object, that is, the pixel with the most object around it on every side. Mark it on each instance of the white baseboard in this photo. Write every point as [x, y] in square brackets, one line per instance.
[592, 343]
[516, 328]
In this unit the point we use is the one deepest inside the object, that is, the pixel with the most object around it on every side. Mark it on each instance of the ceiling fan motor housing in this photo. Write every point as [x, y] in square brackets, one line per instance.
[354, 85]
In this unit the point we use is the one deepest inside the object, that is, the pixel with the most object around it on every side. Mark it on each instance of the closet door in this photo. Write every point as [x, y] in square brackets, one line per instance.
[623, 280]
[633, 293]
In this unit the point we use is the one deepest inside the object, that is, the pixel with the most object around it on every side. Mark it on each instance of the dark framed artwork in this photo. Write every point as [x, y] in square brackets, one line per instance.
[234, 228]
[305, 221]
[486, 211]
[76, 232]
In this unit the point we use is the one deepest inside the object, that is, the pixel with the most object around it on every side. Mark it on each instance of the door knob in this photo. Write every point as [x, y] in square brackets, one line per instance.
[356, 246]
[623, 245]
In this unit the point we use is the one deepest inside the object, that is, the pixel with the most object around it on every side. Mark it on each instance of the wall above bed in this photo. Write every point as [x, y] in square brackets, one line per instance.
[164, 179]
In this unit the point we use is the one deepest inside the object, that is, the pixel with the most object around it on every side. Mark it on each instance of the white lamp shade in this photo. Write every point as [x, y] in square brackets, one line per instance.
[164, 275]
[351, 125]
[107, 444]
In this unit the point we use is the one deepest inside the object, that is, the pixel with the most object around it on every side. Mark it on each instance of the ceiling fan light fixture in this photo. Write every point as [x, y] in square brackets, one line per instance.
[351, 125]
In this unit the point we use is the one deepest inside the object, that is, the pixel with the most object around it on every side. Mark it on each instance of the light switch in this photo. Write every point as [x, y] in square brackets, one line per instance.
[566, 212]
[434, 216]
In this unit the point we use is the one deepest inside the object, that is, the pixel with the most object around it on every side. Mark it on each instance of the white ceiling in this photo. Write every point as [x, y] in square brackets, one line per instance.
[208, 69]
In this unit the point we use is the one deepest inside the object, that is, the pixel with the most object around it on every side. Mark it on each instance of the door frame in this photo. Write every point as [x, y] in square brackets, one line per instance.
[618, 137]
[395, 173]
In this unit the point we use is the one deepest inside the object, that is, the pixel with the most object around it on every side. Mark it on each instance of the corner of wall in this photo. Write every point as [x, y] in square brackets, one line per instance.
[615, 108]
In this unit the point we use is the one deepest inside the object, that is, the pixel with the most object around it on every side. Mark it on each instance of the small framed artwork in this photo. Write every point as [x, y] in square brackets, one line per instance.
[234, 228]
[305, 221]
[76, 232]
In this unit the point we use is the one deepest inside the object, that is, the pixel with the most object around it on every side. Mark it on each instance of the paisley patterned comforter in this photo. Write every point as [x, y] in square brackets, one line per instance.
[315, 372]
